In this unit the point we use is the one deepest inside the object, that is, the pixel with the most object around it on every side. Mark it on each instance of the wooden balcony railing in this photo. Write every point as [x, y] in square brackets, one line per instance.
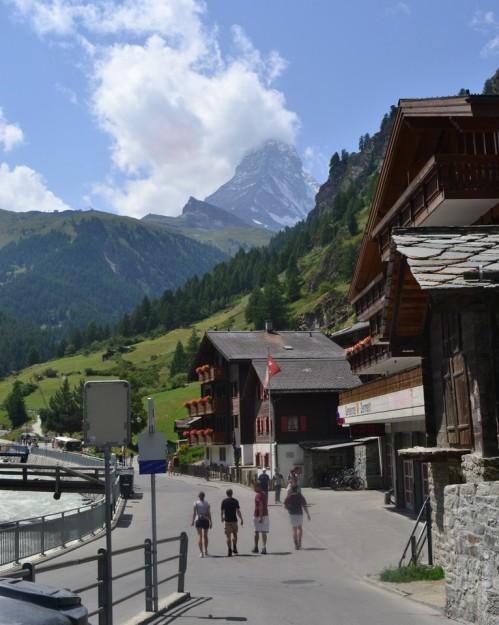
[208, 373]
[367, 356]
[370, 300]
[383, 386]
[444, 176]
[198, 408]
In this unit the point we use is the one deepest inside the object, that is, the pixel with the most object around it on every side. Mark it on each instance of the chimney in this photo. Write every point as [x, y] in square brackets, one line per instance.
[268, 326]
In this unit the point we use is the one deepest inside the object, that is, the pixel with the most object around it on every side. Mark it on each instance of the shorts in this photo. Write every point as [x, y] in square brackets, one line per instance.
[263, 525]
[296, 520]
[203, 524]
[230, 527]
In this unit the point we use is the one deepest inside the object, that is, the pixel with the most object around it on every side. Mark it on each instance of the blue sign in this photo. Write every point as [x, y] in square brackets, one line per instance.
[147, 467]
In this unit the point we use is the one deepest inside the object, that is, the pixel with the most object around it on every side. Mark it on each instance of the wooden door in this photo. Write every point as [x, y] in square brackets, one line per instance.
[456, 394]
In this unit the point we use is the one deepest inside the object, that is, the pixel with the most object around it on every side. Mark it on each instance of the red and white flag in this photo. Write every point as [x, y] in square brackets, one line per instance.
[272, 369]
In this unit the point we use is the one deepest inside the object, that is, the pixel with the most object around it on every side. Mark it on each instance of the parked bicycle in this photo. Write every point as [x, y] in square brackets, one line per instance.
[346, 478]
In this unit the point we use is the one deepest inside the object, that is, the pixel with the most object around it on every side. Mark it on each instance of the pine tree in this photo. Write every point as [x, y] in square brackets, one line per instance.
[15, 406]
[33, 357]
[179, 361]
[292, 280]
[64, 412]
[192, 348]
[255, 310]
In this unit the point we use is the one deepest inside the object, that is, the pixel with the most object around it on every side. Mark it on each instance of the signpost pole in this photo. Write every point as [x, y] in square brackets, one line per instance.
[150, 423]
[108, 584]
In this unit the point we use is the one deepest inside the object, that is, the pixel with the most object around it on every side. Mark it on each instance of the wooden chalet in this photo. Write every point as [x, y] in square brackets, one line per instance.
[441, 170]
[234, 416]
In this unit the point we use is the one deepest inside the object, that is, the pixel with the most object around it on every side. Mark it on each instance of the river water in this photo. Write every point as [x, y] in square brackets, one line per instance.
[15, 505]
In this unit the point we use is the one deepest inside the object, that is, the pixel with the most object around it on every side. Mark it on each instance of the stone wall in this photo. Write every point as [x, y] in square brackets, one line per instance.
[366, 464]
[471, 554]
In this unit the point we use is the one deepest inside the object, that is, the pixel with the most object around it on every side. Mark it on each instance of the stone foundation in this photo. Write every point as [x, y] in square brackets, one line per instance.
[466, 536]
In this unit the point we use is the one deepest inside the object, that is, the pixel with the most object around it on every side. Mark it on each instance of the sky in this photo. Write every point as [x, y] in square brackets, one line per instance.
[132, 106]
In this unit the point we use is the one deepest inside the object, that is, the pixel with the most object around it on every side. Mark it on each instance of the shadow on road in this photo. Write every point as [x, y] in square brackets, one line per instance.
[125, 520]
[185, 612]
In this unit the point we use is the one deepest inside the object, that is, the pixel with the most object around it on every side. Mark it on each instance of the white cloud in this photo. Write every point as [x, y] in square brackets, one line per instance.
[179, 114]
[485, 22]
[10, 134]
[399, 8]
[23, 189]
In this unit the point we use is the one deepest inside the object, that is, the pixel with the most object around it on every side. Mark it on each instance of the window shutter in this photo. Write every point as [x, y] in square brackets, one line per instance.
[303, 423]
[284, 424]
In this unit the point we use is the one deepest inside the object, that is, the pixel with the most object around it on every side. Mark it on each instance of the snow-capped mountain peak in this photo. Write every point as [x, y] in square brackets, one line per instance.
[269, 189]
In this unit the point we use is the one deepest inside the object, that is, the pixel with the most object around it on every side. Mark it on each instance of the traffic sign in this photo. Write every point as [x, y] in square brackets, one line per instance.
[152, 453]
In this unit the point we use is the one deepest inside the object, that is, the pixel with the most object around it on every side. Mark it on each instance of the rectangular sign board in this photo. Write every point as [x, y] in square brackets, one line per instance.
[152, 453]
[106, 413]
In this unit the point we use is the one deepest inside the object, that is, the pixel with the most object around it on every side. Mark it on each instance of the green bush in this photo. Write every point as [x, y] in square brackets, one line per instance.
[50, 373]
[412, 573]
[179, 380]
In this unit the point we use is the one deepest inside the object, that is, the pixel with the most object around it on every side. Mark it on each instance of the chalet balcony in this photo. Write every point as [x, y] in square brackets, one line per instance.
[369, 302]
[202, 407]
[452, 189]
[377, 359]
[209, 373]
[205, 436]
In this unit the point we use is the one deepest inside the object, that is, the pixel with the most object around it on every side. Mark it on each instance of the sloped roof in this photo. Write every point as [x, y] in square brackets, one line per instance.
[282, 345]
[309, 375]
[450, 257]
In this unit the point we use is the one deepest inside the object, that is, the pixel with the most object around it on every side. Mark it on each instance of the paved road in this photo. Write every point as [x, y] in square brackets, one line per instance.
[350, 534]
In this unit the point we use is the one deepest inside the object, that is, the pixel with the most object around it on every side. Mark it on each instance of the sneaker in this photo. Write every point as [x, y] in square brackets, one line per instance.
[255, 550]
[201, 555]
[264, 551]
[229, 553]
[234, 550]
[205, 554]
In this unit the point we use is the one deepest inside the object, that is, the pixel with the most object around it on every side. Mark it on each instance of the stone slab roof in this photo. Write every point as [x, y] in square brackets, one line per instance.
[306, 375]
[450, 257]
[283, 345]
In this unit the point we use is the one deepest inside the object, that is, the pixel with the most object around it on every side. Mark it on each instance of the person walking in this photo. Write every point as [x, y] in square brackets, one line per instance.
[230, 511]
[264, 481]
[201, 514]
[295, 504]
[260, 519]
[277, 486]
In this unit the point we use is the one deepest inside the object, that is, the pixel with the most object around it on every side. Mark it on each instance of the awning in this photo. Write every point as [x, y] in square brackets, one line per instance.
[352, 443]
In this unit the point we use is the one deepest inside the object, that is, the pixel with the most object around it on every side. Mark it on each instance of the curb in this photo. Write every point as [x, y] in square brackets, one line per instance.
[372, 581]
[172, 601]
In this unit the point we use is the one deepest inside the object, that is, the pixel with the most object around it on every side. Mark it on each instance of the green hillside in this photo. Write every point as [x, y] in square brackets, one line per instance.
[231, 240]
[149, 359]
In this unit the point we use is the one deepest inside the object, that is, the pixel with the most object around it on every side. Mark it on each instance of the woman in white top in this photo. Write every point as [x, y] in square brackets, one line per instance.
[203, 522]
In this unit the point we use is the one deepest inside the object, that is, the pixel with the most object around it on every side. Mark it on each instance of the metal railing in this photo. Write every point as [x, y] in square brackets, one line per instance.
[104, 609]
[67, 457]
[419, 537]
[209, 472]
[36, 535]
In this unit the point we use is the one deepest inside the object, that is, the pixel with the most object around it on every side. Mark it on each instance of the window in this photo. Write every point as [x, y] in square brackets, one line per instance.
[235, 389]
[258, 459]
[221, 453]
[236, 421]
[266, 462]
[294, 424]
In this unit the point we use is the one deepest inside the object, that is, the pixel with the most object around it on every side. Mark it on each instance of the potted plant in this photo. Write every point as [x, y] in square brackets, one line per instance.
[193, 437]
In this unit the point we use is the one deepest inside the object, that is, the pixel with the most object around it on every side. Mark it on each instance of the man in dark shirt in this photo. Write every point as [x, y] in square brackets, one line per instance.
[230, 511]
[263, 481]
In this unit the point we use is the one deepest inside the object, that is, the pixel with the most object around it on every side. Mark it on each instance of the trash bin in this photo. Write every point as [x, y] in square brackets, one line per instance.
[28, 603]
[126, 484]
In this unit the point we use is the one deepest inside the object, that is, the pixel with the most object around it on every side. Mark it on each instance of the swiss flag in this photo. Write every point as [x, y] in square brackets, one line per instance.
[272, 369]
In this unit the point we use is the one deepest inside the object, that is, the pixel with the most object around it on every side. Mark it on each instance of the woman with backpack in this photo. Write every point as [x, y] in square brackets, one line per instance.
[201, 515]
[295, 504]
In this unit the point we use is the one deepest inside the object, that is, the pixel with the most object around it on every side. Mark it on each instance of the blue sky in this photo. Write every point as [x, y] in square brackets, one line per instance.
[133, 106]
